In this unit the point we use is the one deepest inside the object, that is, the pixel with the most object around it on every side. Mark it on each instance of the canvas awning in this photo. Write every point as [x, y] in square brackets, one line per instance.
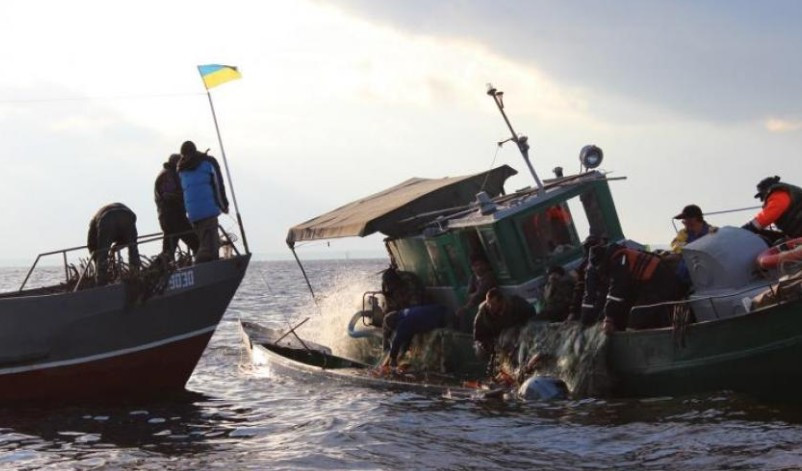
[387, 210]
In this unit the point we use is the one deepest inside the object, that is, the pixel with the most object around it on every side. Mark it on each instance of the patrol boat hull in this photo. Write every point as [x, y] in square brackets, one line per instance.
[98, 344]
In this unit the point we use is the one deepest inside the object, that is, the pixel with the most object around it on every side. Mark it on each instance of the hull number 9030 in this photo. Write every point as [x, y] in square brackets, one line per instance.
[182, 279]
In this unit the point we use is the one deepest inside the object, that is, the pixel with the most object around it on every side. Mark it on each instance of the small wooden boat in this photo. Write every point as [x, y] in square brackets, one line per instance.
[285, 353]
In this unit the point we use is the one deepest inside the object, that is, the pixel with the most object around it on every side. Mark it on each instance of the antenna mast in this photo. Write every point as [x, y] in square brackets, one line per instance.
[521, 141]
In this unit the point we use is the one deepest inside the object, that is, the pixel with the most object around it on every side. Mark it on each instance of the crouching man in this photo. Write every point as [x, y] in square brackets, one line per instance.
[401, 326]
[113, 224]
[497, 313]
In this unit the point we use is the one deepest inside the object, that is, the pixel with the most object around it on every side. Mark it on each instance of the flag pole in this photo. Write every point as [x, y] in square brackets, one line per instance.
[228, 172]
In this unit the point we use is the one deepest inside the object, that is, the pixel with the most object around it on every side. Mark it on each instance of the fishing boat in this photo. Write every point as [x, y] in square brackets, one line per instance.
[139, 335]
[746, 330]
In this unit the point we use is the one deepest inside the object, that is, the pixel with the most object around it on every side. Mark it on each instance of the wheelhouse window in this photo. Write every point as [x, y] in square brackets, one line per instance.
[494, 252]
[560, 228]
[453, 253]
[439, 262]
[549, 232]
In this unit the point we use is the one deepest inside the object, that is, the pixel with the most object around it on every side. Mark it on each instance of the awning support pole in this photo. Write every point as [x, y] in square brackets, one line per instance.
[308, 284]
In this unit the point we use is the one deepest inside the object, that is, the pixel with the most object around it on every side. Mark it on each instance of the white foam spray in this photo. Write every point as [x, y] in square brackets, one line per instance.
[338, 303]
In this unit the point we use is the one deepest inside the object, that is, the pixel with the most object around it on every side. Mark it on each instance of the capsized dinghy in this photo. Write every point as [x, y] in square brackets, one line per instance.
[284, 353]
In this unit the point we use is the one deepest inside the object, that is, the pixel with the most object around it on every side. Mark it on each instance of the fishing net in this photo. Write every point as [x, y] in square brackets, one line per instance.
[568, 351]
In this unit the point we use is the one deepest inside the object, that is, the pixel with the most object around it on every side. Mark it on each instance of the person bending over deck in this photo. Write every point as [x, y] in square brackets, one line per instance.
[404, 324]
[172, 214]
[113, 224]
[636, 278]
[204, 198]
[497, 313]
[782, 206]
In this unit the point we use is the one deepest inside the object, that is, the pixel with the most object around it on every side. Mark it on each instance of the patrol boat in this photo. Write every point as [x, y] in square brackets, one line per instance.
[140, 335]
[745, 333]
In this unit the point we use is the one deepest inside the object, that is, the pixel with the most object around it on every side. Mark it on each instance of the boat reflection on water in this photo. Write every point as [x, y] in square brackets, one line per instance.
[177, 424]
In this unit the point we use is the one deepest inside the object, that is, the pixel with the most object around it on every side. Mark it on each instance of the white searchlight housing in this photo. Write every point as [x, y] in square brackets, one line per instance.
[591, 156]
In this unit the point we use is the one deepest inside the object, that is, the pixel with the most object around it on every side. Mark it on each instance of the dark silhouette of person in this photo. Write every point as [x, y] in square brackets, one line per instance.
[113, 224]
[172, 214]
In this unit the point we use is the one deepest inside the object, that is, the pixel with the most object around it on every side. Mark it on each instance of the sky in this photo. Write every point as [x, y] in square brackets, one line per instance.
[692, 101]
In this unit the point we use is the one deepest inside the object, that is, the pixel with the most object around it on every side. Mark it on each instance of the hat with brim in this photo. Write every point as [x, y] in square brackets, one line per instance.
[764, 186]
[690, 211]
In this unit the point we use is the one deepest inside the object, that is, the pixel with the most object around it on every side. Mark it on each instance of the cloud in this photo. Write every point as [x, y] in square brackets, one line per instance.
[692, 58]
[779, 125]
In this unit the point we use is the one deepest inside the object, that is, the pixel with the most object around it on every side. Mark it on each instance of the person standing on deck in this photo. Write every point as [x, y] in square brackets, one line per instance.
[782, 206]
[204, 198]
[172, 214]
[113, 224]
[695, 228]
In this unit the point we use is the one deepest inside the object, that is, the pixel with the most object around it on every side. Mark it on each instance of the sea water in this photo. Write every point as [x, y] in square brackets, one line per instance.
[237, 417]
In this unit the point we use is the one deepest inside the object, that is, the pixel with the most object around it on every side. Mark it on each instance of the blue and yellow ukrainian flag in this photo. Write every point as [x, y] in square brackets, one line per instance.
[216, 74]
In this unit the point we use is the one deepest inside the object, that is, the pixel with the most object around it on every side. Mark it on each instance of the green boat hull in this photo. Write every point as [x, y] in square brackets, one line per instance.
[759, 353]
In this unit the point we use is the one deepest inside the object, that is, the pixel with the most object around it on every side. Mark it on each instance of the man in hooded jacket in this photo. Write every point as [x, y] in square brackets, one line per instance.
[172, 214]
[113, 224]
[204, 198]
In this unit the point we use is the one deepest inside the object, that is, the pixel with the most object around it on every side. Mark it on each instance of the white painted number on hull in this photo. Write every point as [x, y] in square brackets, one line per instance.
[183, 279]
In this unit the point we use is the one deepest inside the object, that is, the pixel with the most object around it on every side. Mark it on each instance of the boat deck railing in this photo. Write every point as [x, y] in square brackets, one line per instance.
[775, 287]
[115, 254]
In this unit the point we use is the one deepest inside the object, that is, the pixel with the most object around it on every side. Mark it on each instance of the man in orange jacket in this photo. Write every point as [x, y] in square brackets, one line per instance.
[782, 206]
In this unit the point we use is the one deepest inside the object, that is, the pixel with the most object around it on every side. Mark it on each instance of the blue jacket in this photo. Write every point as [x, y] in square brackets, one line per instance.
[202, 183]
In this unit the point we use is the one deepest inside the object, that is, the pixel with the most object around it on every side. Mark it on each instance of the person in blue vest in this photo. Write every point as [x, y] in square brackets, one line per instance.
[204, 198]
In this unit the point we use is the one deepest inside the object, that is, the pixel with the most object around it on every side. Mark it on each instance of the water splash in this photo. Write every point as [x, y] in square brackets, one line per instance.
[338, 303]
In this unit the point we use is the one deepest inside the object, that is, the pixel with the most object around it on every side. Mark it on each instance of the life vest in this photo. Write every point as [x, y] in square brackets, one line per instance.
[641, 265]
[199, 189]
[790, 251]
[791, 220]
